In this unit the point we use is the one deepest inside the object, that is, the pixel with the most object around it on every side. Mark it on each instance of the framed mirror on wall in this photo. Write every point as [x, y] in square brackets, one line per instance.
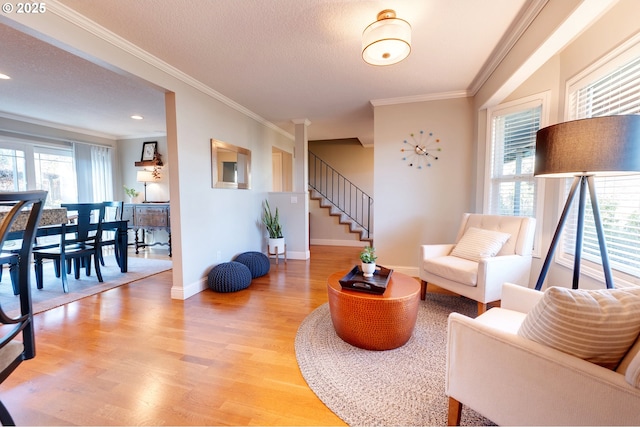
[230, 166]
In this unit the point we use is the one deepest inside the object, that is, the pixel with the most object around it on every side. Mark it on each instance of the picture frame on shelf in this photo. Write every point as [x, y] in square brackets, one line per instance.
[149, 150]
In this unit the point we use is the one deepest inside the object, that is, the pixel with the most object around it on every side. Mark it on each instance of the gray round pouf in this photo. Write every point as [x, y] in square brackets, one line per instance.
[257, 262]
[229, 277]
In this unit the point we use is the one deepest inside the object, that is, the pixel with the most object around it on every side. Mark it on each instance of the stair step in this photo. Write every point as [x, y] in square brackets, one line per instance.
[344, 219]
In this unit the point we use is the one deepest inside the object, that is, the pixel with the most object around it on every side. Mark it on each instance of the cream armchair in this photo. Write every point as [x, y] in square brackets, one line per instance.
[512, 380]
[481, 280]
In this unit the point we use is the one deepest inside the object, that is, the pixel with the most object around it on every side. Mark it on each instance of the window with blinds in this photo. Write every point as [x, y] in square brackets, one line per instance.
[513, 141]
[68, 172]
[615, 92]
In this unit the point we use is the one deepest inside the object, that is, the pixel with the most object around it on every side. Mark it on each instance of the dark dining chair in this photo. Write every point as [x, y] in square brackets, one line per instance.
[79, 248]
[18, 341]
[10, 259]
[112, 212]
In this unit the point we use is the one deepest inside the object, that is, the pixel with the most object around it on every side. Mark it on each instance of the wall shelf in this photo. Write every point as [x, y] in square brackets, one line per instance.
[157, 161]
[149, 163]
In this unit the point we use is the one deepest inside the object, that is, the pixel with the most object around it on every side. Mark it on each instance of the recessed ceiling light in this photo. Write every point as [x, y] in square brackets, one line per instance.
[4, 77]
[137, 117]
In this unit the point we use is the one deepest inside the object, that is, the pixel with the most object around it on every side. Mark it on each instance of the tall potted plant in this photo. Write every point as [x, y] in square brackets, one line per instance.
[272, 222]
[368, 258]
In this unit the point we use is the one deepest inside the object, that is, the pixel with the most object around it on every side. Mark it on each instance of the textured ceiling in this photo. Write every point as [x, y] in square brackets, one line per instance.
[283, 60]
[53, 86]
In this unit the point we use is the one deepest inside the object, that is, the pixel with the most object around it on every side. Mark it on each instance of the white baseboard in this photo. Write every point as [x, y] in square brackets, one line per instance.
[190, 290]
[330, 242]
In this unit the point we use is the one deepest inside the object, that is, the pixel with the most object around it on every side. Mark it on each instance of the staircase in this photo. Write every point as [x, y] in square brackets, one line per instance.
[342, 197]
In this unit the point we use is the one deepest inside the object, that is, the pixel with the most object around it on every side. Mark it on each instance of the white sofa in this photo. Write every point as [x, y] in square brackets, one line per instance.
[481, 281]
[512, 380]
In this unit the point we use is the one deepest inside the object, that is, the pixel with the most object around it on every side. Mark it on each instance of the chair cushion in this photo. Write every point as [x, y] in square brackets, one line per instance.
[503, 319]
[626, 360]
[595, 325]
[453, 268]
[477, 243]
[633, 372]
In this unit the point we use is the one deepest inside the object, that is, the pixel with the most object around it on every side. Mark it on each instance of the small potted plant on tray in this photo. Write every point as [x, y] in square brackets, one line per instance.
[368, 258]
[272, 222]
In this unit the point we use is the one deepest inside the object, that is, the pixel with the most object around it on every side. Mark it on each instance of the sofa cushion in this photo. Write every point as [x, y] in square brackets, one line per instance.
[453, 268]
[477, 243]
[595, 325]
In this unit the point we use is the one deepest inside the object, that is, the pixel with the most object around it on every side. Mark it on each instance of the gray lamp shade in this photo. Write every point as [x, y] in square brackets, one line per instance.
[600, 146]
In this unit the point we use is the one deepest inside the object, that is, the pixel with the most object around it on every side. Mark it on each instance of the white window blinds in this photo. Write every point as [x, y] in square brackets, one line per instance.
[513, 188]
[617, 92]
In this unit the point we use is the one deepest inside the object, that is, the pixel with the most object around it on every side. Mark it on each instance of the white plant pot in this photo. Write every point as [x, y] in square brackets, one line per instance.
[368, 269]
[276, 246]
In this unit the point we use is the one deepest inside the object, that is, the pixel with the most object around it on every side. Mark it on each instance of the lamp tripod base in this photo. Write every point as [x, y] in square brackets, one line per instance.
[580, 182]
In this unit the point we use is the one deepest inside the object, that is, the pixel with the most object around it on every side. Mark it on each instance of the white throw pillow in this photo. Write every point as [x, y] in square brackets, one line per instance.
[595, 325]
[477, 243]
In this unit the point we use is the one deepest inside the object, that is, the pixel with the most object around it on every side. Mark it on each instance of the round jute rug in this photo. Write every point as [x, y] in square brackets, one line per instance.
[404, 386]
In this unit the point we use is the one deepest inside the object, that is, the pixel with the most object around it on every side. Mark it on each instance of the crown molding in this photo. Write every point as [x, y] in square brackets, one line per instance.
[110, 37]
[420, 98]
[44, 123]
[512, 35]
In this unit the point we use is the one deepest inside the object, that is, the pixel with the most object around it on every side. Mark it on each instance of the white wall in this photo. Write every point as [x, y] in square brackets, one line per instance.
[413, 206]
[130, 151]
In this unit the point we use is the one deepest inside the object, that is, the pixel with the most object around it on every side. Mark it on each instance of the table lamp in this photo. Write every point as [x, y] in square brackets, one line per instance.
[599, 146]
[145, 176]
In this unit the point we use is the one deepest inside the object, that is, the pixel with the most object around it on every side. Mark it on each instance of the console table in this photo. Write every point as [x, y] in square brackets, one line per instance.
[148, 217]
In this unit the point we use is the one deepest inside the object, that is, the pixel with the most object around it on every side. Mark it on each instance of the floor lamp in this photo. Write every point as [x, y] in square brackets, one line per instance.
[599, 146]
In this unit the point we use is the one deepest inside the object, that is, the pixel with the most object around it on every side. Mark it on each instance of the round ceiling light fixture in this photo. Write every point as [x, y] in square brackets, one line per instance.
[386, 41]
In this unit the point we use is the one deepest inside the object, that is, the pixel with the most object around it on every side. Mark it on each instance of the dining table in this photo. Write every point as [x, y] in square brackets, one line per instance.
[119, 226]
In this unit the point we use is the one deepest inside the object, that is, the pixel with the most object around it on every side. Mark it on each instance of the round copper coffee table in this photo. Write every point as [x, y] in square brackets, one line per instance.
[375, 322]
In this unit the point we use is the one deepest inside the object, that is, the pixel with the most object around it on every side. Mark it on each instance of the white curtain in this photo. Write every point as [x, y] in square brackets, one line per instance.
[102, 167]
[94, 168]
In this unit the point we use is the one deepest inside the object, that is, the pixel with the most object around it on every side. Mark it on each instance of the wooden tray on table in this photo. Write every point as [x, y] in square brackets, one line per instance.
[354, 280]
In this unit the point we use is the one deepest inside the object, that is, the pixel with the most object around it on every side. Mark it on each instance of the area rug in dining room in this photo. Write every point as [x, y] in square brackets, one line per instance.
[51, 295]
[404, 386]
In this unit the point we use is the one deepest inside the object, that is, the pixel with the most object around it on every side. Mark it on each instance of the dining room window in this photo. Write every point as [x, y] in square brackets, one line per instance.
[13, 176]
[70, 172]
[54, 172]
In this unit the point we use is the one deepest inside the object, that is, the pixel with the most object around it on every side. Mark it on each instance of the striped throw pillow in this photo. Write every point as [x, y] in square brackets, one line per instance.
[595, 325]
[478, 243]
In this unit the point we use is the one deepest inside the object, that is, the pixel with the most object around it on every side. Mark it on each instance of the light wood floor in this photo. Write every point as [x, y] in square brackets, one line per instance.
[133, 356]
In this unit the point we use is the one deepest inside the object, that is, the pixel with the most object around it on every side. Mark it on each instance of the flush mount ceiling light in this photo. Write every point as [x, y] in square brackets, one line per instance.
[4, 77]
[386, 41]
[137, 117]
